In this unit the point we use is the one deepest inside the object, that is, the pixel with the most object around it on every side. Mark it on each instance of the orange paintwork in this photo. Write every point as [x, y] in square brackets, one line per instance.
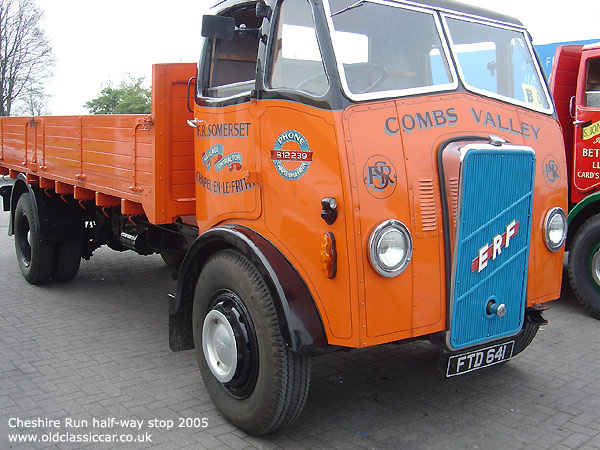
[142, 163]
[232, 176]
[359, 307]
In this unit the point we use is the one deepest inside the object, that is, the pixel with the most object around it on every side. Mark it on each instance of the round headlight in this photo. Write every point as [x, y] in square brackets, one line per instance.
[390, 248]
[555, 229]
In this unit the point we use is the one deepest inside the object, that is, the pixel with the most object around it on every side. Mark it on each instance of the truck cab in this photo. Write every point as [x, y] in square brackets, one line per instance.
[394, 155]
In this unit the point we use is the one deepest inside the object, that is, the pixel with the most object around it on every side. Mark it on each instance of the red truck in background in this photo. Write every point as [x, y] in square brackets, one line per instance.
[575, 85]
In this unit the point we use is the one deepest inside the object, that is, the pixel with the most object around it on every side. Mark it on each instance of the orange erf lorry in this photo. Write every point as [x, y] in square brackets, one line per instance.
[333, 174]
[575, 85]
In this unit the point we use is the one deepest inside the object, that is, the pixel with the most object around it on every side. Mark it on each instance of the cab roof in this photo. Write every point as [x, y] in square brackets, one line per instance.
[441, 5]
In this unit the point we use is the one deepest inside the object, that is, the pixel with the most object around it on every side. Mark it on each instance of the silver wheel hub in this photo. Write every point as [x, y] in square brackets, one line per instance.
[596, 267]
[218, 343]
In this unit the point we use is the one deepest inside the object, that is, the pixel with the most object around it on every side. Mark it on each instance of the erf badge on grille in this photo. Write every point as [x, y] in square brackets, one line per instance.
[492, 251]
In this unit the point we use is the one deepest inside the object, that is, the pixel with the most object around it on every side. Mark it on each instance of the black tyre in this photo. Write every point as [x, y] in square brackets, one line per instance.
[584, 265]
[34, 255]
[67, 257]
[525, 336]
[255, 381]
[172, 259]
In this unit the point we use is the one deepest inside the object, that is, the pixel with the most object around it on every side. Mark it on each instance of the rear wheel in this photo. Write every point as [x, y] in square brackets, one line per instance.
[584, 265]
[67, 258]
[256, 382]
[34, 255]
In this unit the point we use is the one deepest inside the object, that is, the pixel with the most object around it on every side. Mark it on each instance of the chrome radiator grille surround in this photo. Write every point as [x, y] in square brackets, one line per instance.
[490, 229]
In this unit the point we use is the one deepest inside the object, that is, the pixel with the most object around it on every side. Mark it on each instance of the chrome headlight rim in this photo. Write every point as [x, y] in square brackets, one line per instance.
[374, 239]
[550, 215]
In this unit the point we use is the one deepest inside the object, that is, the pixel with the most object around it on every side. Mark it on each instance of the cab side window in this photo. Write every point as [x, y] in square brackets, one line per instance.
[296, 61]
[592, 85]
[229, 66]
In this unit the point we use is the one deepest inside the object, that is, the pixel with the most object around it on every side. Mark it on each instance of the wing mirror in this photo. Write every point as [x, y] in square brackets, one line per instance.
[218, 27]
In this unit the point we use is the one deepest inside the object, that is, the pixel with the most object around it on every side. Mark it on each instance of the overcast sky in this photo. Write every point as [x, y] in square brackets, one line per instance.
[100, 41]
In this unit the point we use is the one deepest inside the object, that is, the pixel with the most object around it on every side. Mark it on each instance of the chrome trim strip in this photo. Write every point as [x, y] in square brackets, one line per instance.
[458, 13]
[541, 78]
[376, 233]
[398, 92]
[549, 215]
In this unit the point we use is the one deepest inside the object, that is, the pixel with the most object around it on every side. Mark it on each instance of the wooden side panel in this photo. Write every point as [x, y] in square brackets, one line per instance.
[14, 141]
[116, 153]
[61, 155]
[107, 154]
[143, 163]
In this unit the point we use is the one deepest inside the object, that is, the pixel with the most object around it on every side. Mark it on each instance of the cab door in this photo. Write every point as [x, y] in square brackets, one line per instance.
[301, 163]
[587, 124]
[226, 126]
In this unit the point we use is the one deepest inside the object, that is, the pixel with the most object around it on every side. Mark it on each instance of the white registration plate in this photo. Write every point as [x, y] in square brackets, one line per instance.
[478, 359]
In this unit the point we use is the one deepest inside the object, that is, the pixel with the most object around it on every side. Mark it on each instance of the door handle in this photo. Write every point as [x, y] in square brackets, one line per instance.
[194, 123]
[578, 122]
[190, 81]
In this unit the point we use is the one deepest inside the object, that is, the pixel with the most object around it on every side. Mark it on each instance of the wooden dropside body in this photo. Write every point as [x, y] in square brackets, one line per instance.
[142, 163]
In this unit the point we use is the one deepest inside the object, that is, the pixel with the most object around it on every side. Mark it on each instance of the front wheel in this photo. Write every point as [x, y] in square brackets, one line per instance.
[254, 380]
[525, 336]
[584, 265]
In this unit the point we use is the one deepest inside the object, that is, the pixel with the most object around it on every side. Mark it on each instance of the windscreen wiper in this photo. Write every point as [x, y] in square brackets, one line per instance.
[348, 8]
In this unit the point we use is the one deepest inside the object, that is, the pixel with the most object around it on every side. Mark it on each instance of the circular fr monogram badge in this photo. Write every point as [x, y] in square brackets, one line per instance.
[379, 176]
[551, 171]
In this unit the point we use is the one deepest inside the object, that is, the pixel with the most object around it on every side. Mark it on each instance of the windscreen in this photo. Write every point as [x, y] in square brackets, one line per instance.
[385, 49]
[497, 61]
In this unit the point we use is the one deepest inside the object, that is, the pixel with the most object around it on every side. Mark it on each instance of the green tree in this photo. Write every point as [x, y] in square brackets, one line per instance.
[130, 97]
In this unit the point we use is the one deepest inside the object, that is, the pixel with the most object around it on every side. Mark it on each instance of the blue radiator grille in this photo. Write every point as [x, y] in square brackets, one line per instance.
[495, 204]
